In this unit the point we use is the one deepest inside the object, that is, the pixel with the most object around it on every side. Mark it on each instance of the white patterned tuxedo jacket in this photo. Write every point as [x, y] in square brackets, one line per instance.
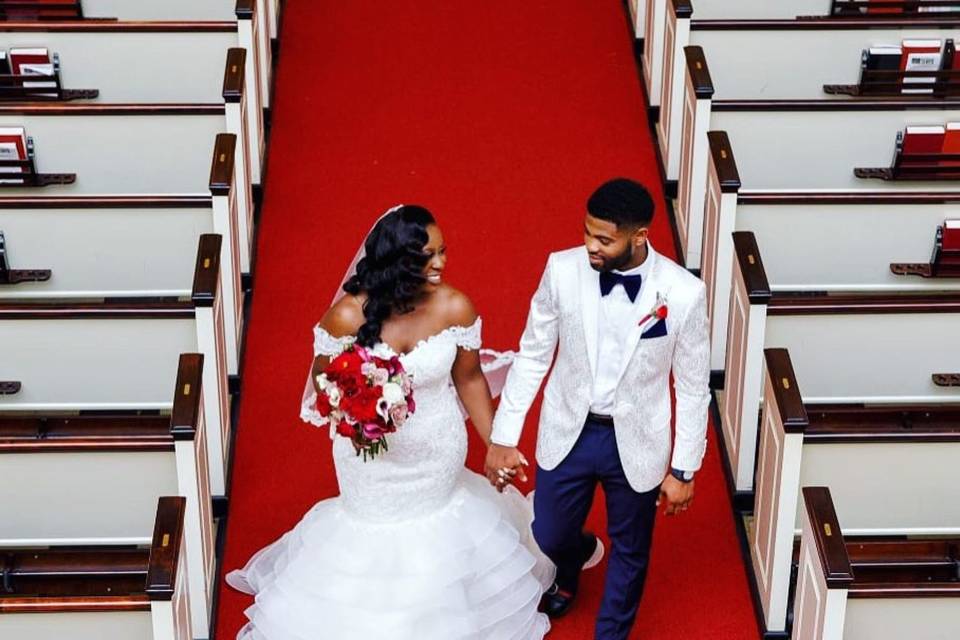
[563, 320]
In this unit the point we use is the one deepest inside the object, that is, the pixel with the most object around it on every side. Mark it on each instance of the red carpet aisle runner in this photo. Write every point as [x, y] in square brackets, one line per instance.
[501, 117]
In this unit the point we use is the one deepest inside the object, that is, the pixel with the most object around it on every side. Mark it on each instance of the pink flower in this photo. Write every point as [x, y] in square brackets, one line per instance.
[372, 431]
[399, 414]
[368, 368]
[380, 377]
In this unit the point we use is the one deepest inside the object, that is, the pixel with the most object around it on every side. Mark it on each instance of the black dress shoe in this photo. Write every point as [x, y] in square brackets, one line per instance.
[556, 601]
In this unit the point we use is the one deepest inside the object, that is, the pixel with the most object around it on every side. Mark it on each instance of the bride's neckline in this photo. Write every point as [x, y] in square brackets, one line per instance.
[423, 341]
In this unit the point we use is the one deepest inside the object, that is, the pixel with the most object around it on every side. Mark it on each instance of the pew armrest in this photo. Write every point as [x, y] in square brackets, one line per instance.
[831, 548]
[786, 391]
[165, 549]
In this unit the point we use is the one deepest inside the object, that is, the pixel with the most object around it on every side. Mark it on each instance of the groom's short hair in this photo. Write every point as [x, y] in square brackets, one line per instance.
[623, 202]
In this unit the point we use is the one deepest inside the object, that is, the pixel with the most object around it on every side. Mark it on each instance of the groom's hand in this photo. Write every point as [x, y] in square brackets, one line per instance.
[503, 464]
[679, 495]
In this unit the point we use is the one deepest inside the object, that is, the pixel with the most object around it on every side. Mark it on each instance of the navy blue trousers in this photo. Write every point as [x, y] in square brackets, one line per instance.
[561, 504]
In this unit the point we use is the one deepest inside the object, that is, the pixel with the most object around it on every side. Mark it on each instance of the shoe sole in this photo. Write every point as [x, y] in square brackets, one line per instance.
[595, 557]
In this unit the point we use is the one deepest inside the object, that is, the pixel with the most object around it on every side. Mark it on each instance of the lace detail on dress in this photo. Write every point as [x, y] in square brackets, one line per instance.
[469, 338]
[325, 344]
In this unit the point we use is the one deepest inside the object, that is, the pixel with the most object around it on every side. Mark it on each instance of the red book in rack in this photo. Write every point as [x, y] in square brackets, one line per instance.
[922, 140]
[13, 146]
[951, 144]
[951, 235]
[876, 7]
[920, 55]
[30, 61]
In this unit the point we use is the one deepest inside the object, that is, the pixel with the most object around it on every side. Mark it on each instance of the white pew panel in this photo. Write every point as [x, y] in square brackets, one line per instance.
[855, 243]
[51, 498]
[898, 618]
[104, 251]
[165, 153]
[76, 625]
[743, 69]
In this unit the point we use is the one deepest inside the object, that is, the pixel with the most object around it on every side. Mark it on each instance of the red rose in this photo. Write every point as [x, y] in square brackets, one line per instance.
[323, 405]
[662, 311]
[345, 430]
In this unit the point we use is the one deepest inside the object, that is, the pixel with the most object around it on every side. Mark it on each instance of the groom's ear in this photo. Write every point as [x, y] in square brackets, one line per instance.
[639, 237]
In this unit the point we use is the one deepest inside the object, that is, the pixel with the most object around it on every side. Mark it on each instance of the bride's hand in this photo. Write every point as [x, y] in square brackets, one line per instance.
[503, 465]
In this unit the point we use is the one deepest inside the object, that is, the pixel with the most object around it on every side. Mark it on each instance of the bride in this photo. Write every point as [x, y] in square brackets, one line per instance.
[415, 546]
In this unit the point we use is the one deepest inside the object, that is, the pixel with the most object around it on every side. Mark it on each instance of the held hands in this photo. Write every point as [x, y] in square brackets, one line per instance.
[503, 465]
[679, 495]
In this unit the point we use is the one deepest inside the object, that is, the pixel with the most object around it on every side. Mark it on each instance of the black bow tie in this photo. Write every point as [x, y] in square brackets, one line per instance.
[631, 284]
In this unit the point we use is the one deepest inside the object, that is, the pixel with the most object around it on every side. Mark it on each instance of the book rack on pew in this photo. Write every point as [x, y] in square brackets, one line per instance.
[915, 166]
[10, 276]
[29, 176]
[13, 87]
[946, 379]
[879, 82]
[945, 263]
[38, 10]
[894, 9]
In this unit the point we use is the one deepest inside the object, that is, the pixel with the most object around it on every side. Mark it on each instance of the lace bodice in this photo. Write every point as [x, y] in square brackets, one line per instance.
[426, 455]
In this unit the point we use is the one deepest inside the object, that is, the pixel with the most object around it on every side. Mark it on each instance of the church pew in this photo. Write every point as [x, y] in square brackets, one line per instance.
[177, 62]
[120, 355]
[115, 466]
[727, 194]
[656, 12]
[811, 53]
[255, 21]
[133, 247]
[103, 592]
[874, 348]
[878, 589]
[136, 150]
[792, 146]
[892, 472]
[847, 242]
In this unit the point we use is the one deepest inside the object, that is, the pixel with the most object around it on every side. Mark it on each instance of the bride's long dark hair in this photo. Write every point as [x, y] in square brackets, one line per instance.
[391, 273]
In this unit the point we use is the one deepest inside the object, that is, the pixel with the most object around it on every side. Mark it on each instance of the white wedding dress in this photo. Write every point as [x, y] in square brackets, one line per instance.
[416, 546]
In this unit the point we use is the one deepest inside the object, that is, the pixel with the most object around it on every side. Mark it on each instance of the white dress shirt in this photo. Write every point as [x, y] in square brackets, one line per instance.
[615, 320]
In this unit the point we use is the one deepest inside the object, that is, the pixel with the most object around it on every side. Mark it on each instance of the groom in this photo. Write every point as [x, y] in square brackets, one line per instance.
[620, 318]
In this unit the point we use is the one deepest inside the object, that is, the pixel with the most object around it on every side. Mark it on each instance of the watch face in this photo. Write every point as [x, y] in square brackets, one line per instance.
[688, 475]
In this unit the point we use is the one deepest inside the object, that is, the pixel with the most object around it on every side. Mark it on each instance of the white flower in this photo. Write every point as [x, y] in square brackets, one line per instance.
[322, 381]
[382, 351]
[393, 393]
[333, 395]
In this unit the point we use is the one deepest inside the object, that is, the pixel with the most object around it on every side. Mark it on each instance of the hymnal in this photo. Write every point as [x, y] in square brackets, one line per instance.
[882, 58]
[951, 144]
[951, 235]
[13, 146]
[922, 140]
[920, 55]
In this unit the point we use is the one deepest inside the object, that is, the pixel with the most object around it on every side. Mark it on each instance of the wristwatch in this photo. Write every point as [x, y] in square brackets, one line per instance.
[682, 476]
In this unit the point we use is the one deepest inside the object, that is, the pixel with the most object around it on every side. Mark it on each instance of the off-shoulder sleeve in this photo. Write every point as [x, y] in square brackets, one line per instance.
[325, 344]
[469, 338]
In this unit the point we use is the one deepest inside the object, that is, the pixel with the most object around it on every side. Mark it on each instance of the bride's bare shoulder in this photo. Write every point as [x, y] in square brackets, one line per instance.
[344, 318]
[457, 308]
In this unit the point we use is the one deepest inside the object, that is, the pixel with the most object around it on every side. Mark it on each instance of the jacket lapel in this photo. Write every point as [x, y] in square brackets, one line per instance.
[590, 308]
[648, 297]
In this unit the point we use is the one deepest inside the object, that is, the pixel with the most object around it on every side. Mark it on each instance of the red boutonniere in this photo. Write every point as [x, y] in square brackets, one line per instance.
[658, 313]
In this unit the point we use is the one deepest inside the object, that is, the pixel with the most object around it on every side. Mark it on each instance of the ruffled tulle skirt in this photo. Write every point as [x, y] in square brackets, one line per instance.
[467, 570]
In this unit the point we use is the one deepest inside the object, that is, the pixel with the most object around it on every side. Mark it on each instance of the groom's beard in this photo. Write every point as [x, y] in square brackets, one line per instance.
[615, 263]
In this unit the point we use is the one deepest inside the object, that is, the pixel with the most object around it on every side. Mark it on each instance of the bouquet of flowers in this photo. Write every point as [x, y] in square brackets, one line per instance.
[365, 394]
